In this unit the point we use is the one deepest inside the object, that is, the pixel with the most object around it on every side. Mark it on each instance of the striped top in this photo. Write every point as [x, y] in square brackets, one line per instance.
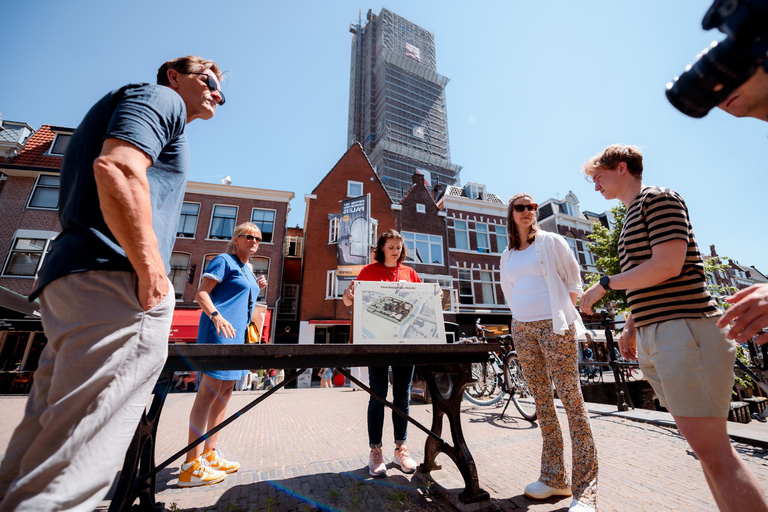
[655, 216]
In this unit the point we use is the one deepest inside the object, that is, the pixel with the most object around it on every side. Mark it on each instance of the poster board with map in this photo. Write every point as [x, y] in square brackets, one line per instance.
[397, 313]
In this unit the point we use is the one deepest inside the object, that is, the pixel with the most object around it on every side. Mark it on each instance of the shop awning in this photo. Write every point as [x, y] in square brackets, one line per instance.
[596, 335]
[17, 313]
[184, 325]
[329, 322]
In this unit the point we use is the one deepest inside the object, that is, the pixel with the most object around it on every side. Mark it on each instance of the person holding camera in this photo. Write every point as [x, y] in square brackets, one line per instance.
[672, 329]
[731, 75]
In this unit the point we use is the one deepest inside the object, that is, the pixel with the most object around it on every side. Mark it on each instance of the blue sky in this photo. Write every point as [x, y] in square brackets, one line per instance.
[536, 88]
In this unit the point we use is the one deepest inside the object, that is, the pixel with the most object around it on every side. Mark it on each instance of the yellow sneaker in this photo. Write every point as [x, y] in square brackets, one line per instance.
[217, 461]
[199, 472]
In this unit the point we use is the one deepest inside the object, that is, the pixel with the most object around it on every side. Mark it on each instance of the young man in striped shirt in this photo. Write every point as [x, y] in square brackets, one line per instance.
[672, 327]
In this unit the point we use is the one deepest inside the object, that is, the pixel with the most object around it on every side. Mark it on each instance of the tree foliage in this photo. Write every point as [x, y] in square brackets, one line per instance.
[605, 247]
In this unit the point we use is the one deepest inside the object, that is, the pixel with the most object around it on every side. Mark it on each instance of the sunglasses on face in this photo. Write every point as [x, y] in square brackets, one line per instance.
[251, 237]
[211, 83]
[520, 208]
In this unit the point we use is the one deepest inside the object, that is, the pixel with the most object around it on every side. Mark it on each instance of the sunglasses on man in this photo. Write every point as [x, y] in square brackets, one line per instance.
[251, 237]
[210, 82]
[520, 208]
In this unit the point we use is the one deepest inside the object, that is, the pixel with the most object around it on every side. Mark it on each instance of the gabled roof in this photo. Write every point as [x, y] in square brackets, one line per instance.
[34, 151]
[413, 187]
[356, 147]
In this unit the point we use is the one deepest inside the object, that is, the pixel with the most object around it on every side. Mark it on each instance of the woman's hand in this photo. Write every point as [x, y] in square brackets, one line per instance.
[262, 282]
[349, 295]
[223, 328]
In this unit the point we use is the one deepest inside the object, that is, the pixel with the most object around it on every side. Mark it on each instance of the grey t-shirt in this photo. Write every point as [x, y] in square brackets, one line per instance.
[151, 117]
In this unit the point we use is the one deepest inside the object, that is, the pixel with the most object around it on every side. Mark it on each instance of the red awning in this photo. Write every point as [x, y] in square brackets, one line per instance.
[184, 325]
[185, 322]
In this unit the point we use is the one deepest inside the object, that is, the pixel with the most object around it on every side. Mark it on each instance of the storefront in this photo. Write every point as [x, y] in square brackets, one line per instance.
[21, 341]
[185, 322]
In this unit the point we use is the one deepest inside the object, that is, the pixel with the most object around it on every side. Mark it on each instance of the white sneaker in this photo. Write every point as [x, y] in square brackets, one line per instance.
[376, 466]
[199, 472]
[403, 459]
[539, 491]
[579, 506]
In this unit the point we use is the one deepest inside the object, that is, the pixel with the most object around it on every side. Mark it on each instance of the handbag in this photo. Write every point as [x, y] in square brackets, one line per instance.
[254, 334]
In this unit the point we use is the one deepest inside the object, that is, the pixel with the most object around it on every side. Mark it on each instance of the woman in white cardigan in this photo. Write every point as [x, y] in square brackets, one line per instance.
[541, 283]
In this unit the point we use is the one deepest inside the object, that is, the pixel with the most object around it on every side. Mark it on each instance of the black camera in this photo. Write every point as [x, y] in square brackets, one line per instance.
[725, 65]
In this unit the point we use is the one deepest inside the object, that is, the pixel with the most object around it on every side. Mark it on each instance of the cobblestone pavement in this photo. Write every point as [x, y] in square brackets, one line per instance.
[305, 450]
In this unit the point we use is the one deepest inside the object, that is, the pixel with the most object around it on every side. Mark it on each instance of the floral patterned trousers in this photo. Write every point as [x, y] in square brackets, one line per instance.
[543, 354]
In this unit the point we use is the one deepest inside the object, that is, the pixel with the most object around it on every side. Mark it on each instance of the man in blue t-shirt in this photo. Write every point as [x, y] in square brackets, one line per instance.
[105, 300]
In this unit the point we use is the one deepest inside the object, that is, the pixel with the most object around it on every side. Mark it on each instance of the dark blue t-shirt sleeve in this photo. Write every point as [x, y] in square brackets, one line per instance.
[148, 117]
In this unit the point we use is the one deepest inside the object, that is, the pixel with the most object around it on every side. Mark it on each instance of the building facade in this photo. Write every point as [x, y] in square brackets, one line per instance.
[397, 104]
[476, 226]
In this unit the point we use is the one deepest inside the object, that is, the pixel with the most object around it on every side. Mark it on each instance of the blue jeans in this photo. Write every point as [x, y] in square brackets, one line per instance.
[401, 398]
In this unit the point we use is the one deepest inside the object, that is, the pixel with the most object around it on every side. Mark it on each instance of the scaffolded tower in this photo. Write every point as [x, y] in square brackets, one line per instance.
[397, 107]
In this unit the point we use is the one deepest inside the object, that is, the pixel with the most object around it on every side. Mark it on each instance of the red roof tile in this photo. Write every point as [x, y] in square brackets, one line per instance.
[35, 149]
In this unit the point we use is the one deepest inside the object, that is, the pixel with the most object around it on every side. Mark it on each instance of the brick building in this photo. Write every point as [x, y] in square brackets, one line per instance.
[209, 215]
[734, 274]
[322, 314]
[29, 183]
[287, 322]
[476, 226]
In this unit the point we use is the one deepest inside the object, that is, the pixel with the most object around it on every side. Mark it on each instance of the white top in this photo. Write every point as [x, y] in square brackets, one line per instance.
[530, 294]
[561, 273]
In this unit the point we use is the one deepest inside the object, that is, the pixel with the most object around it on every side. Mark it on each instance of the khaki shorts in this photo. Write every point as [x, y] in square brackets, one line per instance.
[689, 363]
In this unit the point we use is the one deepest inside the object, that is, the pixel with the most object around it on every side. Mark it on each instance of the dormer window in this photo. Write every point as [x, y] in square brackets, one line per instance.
[420, 208]
[474, 191]
[59, 145]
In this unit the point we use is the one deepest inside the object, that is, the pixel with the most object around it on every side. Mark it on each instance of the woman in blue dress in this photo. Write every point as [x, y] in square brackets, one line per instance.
[227, 293]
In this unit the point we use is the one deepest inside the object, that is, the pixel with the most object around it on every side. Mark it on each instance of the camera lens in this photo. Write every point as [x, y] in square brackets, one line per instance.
[717, 73]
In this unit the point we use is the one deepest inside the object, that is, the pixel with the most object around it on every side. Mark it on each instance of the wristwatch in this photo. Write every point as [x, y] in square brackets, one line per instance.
[605, 282]
[215, 313]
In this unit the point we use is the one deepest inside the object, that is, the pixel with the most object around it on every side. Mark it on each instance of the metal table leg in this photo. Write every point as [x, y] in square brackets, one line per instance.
[450, 407]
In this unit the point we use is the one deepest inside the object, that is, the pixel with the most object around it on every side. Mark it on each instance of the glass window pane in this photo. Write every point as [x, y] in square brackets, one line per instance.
[178, 276]
[265, 221]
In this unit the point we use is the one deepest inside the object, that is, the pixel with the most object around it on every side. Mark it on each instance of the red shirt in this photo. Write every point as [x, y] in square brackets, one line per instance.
[378, 272]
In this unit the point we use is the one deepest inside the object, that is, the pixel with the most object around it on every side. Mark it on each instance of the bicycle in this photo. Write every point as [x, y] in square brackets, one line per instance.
[590, 372]
[504, 373]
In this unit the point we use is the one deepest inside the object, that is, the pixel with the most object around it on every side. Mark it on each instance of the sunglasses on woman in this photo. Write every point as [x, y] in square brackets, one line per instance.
[520, 208]
[251, 237]
[210, 82]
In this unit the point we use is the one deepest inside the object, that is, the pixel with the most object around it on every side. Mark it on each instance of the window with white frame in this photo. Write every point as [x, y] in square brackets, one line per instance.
[293, 245]
[179, 272]
[223, 222]
[45, 194]
[483, 239]
[420, 208]
[334, 288]
[502, 238]
[579, 248]
[265, 221]
[333, 230]
[422, 248]
[569, 209]
[59, 145]
[466, 293]
[374, 233]
[26, 256]
[261, 268]
[289, 302]
[354, 188]
[487, 287]
[188, 219]
[461, 234]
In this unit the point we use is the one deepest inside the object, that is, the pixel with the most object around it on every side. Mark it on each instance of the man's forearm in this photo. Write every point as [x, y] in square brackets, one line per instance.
[665, 263]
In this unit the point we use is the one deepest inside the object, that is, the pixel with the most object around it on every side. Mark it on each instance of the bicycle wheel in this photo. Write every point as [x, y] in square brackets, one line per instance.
[522, 396]
[481, 391]
[484, 381]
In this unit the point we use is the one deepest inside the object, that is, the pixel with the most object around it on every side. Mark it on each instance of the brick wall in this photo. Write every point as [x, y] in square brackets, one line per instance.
[319, 255]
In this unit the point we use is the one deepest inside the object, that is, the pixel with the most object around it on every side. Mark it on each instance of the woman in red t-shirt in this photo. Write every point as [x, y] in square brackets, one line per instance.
[389, 254]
